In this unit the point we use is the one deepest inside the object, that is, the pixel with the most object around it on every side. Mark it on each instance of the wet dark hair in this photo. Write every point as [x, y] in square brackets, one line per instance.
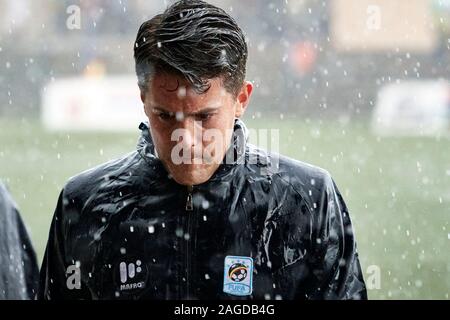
[196, 40]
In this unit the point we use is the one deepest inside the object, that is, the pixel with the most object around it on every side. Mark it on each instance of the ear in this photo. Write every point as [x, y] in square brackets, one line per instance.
[143, 102]
[243, 98]
[142, 95]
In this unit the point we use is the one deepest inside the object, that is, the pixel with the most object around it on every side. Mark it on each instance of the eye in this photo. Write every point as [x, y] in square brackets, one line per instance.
[203, 116]
[165, 116]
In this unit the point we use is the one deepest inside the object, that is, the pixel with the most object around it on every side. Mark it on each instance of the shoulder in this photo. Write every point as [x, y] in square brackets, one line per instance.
[88, 182]
[310, 182]
[301, 174]
[8, 207]
[294, 172]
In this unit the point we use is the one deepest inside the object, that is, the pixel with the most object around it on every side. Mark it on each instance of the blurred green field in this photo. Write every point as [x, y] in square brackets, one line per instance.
[397, 189]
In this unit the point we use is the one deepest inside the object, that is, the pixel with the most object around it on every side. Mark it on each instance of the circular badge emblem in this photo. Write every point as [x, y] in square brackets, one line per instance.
[237, 272]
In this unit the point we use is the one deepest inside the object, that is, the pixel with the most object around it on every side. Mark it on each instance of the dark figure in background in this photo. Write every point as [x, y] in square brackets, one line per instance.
[19, 271]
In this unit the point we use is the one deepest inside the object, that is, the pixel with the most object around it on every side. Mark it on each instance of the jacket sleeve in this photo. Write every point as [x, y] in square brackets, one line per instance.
[18, 267]
[57, 273]
[30, 264]
[334, 258]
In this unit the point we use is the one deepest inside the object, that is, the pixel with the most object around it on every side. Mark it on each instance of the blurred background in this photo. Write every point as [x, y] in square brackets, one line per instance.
[358, 87]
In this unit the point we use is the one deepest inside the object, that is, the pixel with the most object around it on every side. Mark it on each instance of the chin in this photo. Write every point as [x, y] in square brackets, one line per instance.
[191, 174]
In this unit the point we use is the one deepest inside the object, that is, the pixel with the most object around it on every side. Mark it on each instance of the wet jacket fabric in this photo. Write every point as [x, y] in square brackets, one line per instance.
[19, 271]
[264, 226]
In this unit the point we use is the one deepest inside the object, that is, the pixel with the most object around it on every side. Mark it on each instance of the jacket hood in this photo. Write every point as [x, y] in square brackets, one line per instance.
[234, 155]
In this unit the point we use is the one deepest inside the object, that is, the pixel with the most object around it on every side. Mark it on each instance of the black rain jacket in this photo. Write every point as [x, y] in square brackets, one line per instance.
[126, 230]
[19, 272]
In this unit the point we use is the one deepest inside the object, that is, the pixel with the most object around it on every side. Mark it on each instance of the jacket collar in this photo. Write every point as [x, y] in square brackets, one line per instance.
[234, 155]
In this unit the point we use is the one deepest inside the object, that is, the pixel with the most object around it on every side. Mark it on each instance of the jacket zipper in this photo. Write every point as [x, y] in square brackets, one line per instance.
[189, 208]
[189, 203]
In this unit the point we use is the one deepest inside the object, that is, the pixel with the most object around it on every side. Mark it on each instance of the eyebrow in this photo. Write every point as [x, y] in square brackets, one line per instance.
[205, 110]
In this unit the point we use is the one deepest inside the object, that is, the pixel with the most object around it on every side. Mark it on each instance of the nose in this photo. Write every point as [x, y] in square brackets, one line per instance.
[191, 134]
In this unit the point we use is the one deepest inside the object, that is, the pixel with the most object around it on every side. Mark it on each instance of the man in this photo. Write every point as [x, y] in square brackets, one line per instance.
[197, 212]
[19, 271]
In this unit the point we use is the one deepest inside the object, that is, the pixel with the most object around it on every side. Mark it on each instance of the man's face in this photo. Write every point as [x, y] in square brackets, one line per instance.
[191, 131]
